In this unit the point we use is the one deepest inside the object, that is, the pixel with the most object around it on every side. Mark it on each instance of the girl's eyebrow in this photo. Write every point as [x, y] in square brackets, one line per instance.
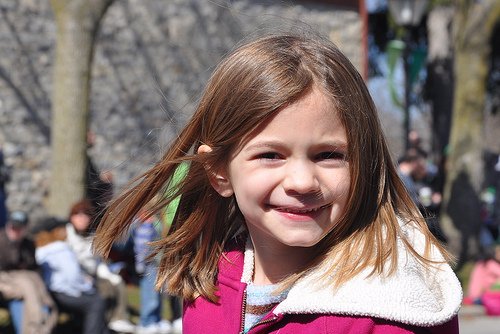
[340, 144]
[272, 144]
[268, 144]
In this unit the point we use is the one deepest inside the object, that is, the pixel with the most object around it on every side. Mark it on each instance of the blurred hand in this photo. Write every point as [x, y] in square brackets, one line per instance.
[104, 273]
[115, 279]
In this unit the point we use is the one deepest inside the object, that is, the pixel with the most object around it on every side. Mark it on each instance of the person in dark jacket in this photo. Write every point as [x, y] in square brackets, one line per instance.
[31, 307]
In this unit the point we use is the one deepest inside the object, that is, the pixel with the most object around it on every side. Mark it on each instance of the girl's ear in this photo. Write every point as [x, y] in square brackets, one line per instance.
[219, 180]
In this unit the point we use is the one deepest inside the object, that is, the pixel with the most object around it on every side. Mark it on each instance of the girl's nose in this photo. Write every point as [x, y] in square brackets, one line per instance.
[301, 177]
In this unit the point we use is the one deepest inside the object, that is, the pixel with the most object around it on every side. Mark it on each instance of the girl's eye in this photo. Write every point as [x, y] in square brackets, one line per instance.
[268, 155]
[330, 155]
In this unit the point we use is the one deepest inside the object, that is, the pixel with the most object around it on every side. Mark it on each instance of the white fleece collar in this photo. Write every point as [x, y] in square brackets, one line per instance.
[411, 296]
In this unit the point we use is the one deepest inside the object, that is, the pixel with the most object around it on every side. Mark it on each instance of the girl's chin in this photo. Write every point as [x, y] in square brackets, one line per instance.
[303, 242]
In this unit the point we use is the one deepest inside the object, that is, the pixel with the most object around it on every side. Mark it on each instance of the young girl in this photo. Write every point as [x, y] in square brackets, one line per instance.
[292, 217]
[146, 231]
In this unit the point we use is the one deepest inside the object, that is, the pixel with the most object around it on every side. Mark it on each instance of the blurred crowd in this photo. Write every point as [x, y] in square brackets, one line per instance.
[424, 181]
[484, 281]
[47, 268]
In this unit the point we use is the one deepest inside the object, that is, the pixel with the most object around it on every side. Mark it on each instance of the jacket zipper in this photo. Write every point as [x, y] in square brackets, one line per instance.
[244, 306]
[265, 321]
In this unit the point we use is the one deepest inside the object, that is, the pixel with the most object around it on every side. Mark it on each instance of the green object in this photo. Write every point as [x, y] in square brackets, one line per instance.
[179, 175]
[394, 50]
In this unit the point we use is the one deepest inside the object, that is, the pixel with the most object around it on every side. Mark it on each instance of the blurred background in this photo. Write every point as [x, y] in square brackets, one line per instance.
[107, 84]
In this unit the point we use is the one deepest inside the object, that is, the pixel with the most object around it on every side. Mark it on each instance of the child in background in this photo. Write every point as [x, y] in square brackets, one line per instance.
[145, 232]
[64, 277]
[484, 275]
[292, 217]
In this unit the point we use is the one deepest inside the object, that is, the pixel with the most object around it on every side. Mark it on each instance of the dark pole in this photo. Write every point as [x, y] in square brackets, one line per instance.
[406, 60]
[407, 14]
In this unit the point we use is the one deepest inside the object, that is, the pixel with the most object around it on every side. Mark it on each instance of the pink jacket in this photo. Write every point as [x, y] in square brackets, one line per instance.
[379, 308]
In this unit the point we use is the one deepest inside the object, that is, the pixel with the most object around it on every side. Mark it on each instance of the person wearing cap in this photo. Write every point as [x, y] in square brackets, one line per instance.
[65, 278]
[31, 307]
[16, 250]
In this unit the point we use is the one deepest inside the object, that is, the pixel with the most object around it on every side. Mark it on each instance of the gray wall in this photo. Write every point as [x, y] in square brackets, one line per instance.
[151, 59]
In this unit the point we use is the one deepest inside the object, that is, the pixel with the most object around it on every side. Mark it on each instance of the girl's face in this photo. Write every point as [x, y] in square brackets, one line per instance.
[291, 178]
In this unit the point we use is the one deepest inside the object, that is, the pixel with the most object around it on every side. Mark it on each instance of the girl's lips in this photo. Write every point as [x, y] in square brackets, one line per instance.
[299, 211]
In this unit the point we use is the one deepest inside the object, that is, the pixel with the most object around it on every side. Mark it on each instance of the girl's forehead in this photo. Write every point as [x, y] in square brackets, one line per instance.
[312, 117]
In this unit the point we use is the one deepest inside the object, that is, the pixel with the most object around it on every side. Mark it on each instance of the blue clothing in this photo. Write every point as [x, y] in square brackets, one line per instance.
[151, 300]
[151, 303]
[144, 233]
[260, 301]
[61, 271]
[410, 186]
[66, 280]
[16, 310]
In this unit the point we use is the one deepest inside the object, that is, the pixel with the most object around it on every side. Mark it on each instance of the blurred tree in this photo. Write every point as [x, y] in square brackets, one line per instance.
[77, 22]
[473, 25]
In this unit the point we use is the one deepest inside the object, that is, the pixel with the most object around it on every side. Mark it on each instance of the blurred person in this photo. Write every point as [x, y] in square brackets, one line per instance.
[111, 286]
[16, 250]
[416, 143]
[32, 309]
[484, 275]
[99, 186]
[65, 278]
[147, 230]
[490, 200]
[412, 169]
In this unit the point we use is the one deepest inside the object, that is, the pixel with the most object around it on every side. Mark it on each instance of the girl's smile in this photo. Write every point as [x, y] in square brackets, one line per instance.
[291, 177]
[300, 214]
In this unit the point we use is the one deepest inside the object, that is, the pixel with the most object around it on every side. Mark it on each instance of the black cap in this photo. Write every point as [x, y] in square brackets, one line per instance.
[48, 225]
[18, 219]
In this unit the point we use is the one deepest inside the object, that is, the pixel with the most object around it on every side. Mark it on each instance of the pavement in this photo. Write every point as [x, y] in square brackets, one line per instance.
[474, 320]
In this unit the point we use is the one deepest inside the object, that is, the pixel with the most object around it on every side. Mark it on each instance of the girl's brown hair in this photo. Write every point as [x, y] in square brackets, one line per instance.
[249, 86]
